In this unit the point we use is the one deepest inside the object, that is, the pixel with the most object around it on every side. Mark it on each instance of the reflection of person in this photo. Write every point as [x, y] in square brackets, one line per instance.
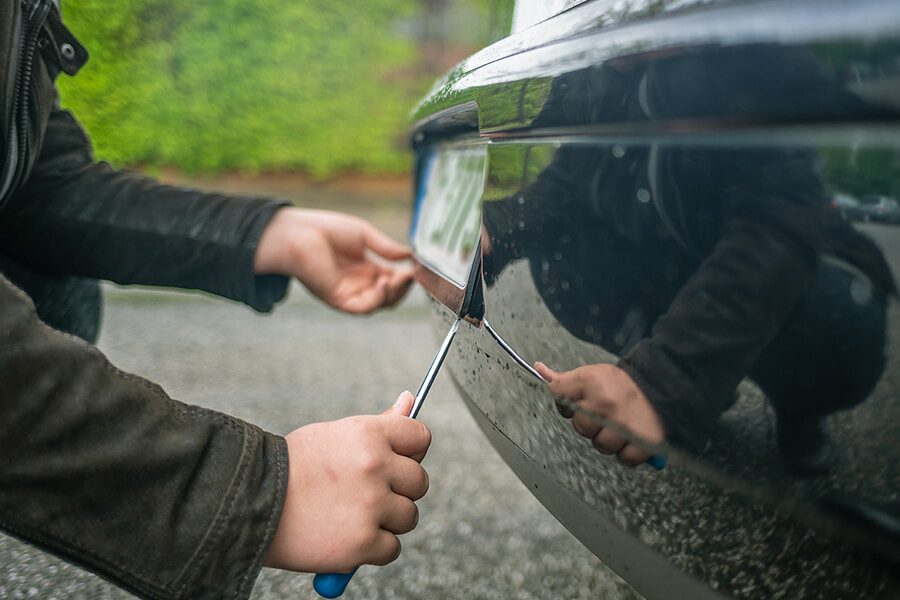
[102, 467]
[699, 266]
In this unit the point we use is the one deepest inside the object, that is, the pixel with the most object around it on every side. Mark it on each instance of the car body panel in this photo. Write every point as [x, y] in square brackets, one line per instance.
[615, 154]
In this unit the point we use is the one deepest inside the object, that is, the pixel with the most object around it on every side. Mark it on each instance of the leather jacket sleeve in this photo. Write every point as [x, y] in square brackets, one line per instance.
[75, 216]
[731, 308]
[103, 469]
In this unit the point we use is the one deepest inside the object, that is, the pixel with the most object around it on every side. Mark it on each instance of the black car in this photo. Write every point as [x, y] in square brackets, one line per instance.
[640, 188]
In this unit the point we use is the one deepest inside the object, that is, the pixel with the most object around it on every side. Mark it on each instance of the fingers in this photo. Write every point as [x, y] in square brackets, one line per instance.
[632, 456]
[549, 375]
[568, 385]
[385, 288]
[384, 246]
[607, 441]
[407, 436]
[584, 385]
[408, 478]
[545, 371]
[402, 405]
[401, 515]
[564, 411]
[384, 549]
[368, 299]
[398, 284]
[585, 424]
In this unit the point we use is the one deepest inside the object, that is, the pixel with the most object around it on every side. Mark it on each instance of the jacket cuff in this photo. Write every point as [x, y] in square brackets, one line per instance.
[231, 555]
[260, 292]
[688, 422]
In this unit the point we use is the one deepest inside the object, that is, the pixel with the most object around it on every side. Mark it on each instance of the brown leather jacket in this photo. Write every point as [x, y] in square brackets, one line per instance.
[98, 466]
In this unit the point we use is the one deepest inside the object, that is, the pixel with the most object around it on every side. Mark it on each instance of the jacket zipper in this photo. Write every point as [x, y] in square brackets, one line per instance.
[19, 117]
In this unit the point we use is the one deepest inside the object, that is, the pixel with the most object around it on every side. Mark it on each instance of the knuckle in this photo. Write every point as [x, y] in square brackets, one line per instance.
[425, 483]
[426, 436]
[366, 540]
[389, 552]
[363, 427]
[630, 456]
[413, 516]
[584, 426]
[408, 517]
[370, 462]
[371, 501]
[600, 446]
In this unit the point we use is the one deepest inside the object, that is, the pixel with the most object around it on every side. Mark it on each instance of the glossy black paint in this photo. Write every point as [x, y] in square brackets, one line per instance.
[625, 147]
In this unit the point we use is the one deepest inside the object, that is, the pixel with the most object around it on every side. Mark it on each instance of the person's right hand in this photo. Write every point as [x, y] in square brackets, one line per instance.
[351, 490]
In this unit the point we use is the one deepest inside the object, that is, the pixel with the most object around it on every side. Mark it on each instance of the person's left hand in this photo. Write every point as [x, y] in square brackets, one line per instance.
[608, 392]
[336, 257]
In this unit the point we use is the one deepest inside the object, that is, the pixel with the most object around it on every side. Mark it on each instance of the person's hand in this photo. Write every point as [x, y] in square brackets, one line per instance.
[351, 490]
[608, 392]
[335, 256]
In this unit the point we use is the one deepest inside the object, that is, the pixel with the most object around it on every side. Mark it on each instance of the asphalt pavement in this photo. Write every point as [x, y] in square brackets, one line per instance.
[481, 534]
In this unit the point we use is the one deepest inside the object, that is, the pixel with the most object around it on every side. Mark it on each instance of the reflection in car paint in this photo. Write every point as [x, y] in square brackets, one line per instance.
[512, 353]
[634, 170]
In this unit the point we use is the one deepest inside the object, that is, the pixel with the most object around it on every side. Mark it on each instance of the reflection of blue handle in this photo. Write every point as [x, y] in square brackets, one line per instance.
[332, 585]
[658, 462]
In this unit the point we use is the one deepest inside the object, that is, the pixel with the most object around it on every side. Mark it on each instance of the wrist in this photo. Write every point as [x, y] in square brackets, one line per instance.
[277, 244]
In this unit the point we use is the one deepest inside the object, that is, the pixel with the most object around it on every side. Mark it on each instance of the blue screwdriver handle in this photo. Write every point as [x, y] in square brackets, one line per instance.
[658, 462]
[332, 585]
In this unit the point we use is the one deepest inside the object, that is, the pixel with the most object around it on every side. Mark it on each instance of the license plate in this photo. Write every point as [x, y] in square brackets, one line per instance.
[447, 218]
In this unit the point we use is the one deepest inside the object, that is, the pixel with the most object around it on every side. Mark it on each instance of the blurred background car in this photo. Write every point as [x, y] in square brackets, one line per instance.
[592, 176]
[882, 209]
[848, 206]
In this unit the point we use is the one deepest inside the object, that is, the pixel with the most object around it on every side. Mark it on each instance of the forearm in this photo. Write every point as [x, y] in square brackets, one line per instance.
[717, 327]
[82, 218]
[102, 468]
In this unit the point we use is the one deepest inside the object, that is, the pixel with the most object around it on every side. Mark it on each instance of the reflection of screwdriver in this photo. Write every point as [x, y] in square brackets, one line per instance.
[332, 585]
[657, 461]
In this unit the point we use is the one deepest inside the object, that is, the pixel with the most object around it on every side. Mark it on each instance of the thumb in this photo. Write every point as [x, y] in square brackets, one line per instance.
[546, 372]
[402, 406]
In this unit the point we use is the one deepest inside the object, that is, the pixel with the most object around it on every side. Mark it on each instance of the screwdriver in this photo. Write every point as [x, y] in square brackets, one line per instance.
[332, 585]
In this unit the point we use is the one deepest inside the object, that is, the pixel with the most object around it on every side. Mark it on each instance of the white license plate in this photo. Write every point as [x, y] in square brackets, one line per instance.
[447, 218]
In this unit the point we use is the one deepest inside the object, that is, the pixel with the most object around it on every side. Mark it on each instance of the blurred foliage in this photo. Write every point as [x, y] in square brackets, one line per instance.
[861, 172]
[315, 86]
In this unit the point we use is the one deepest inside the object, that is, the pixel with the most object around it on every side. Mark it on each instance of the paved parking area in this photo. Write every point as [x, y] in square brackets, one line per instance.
[481, 535]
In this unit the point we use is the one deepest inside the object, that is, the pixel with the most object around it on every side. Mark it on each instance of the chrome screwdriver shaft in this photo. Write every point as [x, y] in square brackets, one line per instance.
[434, 369]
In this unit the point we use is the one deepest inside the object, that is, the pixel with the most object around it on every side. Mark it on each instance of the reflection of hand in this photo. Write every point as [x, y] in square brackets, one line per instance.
[332, 255]
[485, 241]
[608, 392]
[351, 490]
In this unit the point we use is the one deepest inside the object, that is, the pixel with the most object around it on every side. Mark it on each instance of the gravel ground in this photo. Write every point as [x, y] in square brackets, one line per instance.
[481, 535]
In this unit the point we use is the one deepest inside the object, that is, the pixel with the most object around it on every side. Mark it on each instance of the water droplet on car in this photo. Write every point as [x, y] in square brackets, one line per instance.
[564, 284]
[618, 151]
[521, 225]
[643, 195]
[557, 256]
[594, 309]
[860, 291]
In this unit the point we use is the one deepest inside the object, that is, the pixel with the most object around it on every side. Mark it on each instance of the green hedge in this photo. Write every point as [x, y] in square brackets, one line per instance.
[313, 85]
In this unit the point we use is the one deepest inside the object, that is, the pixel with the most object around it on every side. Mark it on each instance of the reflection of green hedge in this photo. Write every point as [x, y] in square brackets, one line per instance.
[313, 85]
[861, 172]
